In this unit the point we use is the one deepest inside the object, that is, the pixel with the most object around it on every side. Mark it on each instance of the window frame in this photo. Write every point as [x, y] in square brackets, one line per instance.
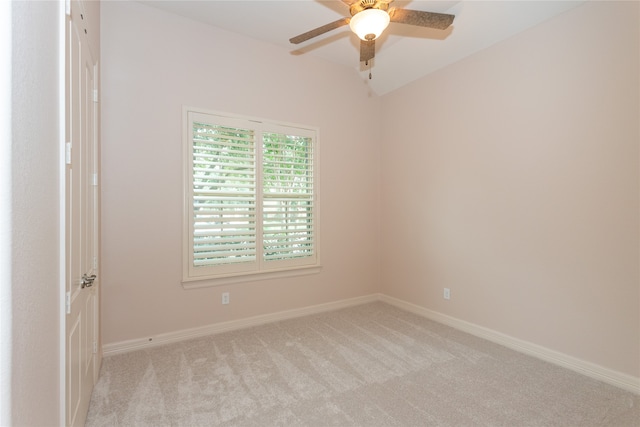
[259, 269]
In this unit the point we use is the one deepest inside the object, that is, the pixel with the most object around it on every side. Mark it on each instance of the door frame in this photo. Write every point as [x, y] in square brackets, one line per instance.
[63, 12]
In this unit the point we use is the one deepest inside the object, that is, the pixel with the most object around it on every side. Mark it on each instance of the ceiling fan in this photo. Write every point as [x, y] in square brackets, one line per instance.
[369, 18]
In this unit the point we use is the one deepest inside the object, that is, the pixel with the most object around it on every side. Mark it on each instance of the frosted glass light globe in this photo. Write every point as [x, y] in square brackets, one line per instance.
[369, 24]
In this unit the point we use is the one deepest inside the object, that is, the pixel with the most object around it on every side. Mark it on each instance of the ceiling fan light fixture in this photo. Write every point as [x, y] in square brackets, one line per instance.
[369, 23]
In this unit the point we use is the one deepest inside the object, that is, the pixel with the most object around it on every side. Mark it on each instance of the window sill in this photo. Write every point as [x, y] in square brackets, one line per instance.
[206, 282]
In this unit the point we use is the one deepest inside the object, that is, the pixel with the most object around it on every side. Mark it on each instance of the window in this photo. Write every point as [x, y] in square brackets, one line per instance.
[251, 204]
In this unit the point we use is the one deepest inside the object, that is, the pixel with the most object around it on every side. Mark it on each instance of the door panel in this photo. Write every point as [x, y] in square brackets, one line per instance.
[82, 294]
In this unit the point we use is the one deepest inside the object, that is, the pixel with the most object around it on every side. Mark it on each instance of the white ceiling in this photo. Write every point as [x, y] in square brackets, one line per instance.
[403, 53]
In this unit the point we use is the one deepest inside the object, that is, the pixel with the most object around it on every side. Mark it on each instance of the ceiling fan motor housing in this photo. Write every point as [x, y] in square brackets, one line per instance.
[361, 5]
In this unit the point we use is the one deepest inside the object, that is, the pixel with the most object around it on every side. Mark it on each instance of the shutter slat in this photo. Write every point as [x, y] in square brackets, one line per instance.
[227, 260]
[225, 236]
[212, 251]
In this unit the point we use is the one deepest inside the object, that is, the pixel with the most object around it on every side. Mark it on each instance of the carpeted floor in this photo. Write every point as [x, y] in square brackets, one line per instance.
[370, 365]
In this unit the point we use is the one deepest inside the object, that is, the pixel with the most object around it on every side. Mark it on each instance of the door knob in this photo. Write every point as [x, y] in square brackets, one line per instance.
[87, 281]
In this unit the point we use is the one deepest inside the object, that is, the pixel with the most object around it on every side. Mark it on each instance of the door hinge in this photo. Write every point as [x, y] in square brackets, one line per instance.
[67, 153]
[67, 302]
[67, 7]
[95, 179]
[95, 347]
[95, 95]
[95, 263]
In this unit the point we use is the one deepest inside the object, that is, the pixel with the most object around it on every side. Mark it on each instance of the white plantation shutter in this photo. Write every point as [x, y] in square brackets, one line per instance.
[224, 195]
[250, 201]
[288, 197]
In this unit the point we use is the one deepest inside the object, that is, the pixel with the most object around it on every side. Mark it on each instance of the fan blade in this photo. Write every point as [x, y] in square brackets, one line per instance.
[320, 30]
[439, 21]
[367, 50]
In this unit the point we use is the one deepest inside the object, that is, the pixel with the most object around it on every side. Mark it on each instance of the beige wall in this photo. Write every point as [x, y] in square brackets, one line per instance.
[512, 178]
[153, 63]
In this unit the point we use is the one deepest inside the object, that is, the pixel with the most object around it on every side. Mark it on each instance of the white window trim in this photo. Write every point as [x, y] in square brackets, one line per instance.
[192, 282]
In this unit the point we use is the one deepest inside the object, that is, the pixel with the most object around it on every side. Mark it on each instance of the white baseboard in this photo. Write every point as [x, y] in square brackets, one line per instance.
[609, 376]
[216, 328]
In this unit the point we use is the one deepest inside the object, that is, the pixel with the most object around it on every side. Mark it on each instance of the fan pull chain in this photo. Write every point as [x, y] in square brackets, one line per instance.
[367, 63]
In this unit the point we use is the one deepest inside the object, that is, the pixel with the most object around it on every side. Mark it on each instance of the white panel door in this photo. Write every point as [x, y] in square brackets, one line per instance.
[81, 179]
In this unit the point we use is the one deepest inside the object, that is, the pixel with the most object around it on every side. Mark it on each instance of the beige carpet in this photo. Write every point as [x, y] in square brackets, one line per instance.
[371, 365]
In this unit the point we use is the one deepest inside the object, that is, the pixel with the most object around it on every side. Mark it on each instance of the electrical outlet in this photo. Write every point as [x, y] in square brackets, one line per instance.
[225, 298]
[447, 293]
